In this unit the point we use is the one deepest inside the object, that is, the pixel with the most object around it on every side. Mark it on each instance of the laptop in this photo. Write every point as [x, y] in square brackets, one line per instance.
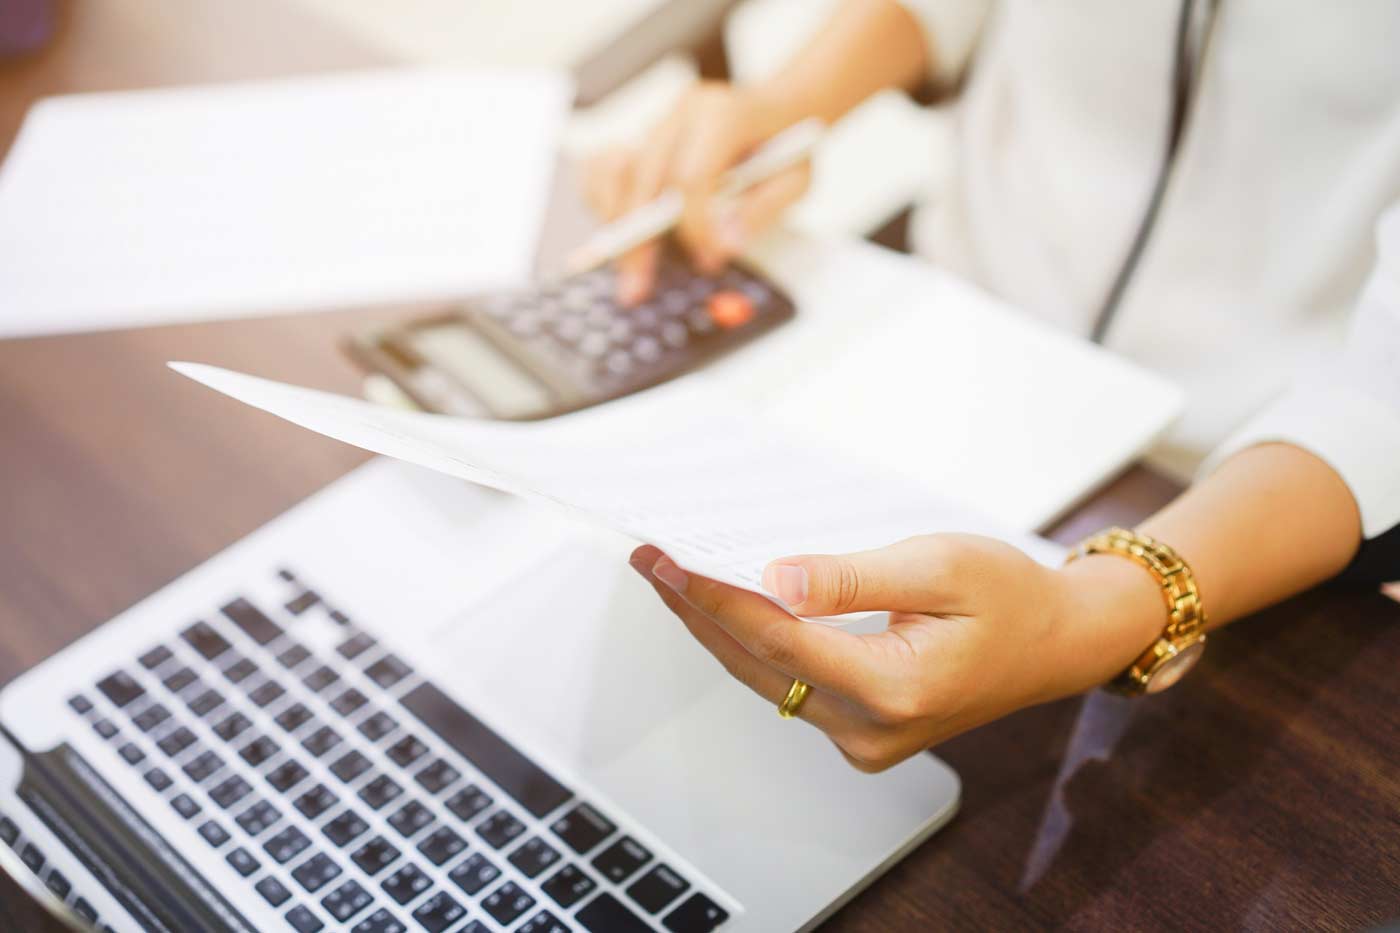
[414, 704]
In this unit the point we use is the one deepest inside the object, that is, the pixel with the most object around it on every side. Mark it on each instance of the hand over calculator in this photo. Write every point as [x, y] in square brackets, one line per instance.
[569, 344]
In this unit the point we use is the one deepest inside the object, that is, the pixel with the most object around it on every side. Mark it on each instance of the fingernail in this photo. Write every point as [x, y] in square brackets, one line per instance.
[637, 564]
[788, 582]
[630, 287]
[668, 573]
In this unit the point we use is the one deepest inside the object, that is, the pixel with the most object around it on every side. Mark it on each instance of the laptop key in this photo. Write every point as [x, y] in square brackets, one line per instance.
[441, 845]
[267, 693]
[582, 828]
[155, 657]
[230, 791]
[80, 704]
[568, 886]
[203, 767]
[348, 701]
[375, 856]
[105, 728]
[606, 914]
[436, 776]
[293, 656]
[533, 857]
[240, 670]
[184, 805]
[507, 903]
[380, 792]
[150, 717]
[316, 872]
[232, 726]
[698, 914]
[350, 766]
[121, 688]
[381, 921]
[315, 801]
[273, 891]
[206, 702]
[410, 818]
[345, 828]
[475, 873]
[258, 817]
[355, 645]
[406, 884]
[303, 920]
[179, 679]
[131, 753]
[175, 742]
[407, 750]
[286, 845]
[320, 742]
[543, 922]
[346, 901]
[159, 780]
[439, 912]
[242, 861]
[294, 717]
[377, 726]
[388, 671]
[500, 828]
[213, 833]
[287, 775]
[204, 639]
[657, 889]
[468, 802]
[621, 860]
[251, 620]
[318, 680]
[259, 751]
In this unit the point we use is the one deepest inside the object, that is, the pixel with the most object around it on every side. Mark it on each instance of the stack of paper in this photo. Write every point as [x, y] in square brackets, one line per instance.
[145, 207]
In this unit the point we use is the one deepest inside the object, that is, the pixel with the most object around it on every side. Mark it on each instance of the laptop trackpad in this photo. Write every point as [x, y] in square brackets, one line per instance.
[576, 653]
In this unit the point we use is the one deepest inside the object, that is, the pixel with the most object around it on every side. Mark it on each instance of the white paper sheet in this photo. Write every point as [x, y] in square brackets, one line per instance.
[142, 207]
[718, 490]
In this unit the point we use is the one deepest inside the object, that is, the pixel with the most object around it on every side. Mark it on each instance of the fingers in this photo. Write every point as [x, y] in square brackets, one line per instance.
[607, 180]
[827, 658]
[740, 219]
[915, 575]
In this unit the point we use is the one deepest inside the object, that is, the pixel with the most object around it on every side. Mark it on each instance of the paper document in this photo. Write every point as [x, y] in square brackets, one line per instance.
[146, 207]
[718, 490]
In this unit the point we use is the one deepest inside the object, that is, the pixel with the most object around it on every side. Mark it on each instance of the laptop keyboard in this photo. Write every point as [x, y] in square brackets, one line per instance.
[350, 793]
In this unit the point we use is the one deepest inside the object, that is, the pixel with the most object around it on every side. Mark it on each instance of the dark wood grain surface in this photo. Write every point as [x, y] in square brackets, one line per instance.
[1262, 793]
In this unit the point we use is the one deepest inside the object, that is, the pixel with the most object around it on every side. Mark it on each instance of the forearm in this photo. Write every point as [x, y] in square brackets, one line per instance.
[1272, 521]
[864, 47]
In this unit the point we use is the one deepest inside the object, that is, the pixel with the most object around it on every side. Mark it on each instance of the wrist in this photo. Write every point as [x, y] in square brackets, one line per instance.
[1108, 610]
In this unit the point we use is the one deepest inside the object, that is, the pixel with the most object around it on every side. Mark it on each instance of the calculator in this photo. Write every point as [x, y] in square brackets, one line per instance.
[568, 344]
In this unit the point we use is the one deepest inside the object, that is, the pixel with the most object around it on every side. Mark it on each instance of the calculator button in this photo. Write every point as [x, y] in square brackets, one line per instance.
[730, 309]
[345, 828]
[213, 833]
[676, 301]
[232, 726]
[619, 330]
[380, 792]
[475, 873]
[286, 845]
[202, 638]
[316, 872]
[439, 912]
[468, 802]
[543, 922]
[381, 921]
[155, 657]
[534, 856]
[406, 884]
[507, 903]
[273, 891]
[499, 828]
[606, 914]
[436, 776]
[107, 730]
[151, 717]
[375, 856]
[410, 818]
[674, 335]
[243, 862]
[158, 779]
[619, 363]
[441, 845]
[647, 349]
[287, 775]
[346, 901]
[121, 688]
[304, 921]
[570, 329]
[258, 817]
[644, 317]
[583, 827]
[594, 344]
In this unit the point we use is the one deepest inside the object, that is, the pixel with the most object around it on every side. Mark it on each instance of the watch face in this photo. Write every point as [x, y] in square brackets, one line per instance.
[1175, 667]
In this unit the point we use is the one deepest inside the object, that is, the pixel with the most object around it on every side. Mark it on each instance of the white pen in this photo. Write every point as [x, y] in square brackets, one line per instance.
[657, 216]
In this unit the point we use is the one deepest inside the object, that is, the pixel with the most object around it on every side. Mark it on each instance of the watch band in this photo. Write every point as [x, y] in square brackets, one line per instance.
[1186, 616]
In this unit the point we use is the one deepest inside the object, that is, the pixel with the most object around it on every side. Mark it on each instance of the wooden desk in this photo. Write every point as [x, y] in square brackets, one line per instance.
[1263, 793]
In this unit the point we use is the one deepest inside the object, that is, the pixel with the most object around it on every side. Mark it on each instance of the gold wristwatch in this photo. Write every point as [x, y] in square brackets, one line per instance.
[1183, 641]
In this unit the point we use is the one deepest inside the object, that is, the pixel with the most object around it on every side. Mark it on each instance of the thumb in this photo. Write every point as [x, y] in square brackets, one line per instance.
[909, 576]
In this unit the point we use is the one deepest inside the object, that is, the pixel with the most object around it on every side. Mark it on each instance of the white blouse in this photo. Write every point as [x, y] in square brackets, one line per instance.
[1270, 284]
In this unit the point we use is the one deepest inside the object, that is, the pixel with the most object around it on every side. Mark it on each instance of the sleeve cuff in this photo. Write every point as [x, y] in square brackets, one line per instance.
[951, 29]
[1354, 433]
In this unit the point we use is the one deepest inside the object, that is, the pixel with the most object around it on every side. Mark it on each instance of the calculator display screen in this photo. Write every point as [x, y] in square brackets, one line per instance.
[482, 369]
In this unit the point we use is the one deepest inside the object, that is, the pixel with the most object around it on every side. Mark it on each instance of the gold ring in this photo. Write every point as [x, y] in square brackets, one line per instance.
[796, 694]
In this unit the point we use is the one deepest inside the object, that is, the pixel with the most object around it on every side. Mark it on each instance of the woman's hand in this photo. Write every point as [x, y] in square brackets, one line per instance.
[713, 126]
[976, 630]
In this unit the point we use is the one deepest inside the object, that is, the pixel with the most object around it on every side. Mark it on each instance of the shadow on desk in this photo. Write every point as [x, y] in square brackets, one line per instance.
[1262, 793]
